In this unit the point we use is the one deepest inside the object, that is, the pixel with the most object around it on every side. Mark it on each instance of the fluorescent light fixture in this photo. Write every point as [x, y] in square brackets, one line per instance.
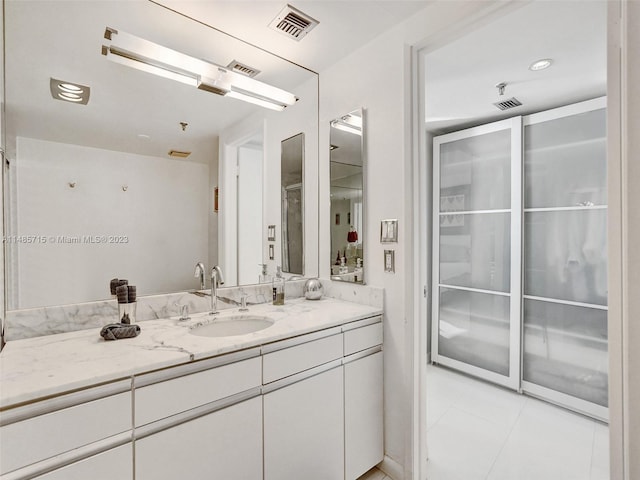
[346, 127]
[349, 123]
[69, 92]
[540, 64]
[150, 57]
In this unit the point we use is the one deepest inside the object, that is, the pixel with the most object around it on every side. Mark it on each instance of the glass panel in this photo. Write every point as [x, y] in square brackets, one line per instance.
[475, 173]
[474, 329]
[565, 349]
[565, 161]
[566, 255]
[475, 250]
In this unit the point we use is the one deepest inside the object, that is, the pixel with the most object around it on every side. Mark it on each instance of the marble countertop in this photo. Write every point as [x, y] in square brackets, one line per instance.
[50, 365]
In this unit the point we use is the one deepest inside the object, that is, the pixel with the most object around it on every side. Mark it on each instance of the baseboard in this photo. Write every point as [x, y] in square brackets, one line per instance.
[391, 468]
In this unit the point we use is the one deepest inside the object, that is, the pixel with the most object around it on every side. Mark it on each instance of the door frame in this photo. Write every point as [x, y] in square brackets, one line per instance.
[618, 23]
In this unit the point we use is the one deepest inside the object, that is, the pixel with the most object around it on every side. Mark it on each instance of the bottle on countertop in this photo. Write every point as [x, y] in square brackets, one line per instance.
[278, 287]
[264, 275]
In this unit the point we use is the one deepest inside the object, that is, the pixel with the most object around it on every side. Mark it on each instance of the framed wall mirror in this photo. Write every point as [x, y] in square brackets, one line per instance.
[126, 184]
[347, 136]
[292, 185]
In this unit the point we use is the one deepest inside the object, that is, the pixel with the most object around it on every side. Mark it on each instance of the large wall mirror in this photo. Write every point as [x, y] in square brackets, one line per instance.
[92, 191]
[347, 197]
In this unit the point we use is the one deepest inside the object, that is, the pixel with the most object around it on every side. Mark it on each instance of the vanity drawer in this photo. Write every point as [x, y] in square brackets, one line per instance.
[362, 338]
[165, 398]
[291, 360]
[44, 436]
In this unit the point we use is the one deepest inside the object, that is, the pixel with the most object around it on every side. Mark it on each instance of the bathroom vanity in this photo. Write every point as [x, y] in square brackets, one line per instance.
[299, 399]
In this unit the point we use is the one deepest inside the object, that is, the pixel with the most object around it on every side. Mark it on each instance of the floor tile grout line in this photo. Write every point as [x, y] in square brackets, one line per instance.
[506, 440]
[439, 418]
[593, 449]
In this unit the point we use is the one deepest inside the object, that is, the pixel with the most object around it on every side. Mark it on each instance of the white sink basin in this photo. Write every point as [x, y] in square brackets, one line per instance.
[230, 326]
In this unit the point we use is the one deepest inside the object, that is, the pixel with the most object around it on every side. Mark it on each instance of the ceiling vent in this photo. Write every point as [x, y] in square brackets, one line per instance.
[178, 154]
[243, 69]
[513, 102]
[293, 23]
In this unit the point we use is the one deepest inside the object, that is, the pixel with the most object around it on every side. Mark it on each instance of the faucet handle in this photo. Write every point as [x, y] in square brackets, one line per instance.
[243, 303]
[184, 312]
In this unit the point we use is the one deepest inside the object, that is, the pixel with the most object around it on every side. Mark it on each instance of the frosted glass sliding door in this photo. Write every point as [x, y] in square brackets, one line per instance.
[477, 237]
[565, 354]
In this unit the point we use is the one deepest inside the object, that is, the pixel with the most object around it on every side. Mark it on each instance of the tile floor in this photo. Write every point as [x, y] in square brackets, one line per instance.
[374, 474]
[476, 430]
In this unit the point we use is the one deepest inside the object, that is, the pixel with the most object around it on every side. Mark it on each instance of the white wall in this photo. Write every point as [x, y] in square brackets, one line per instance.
[378, 78]
[162, 213]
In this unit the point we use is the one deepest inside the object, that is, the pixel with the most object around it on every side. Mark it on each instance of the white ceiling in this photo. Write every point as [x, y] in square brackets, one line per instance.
[461, 77]
[345, 25]
[125, 102]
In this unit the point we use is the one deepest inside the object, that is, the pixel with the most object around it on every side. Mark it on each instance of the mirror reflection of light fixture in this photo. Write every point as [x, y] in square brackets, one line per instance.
[150, 57]
[348, 123]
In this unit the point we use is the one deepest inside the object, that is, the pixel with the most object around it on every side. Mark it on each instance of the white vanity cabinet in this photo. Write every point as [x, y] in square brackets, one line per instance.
[203, 420]
[323, 407]
[224, 444]
[116, 463]
[363, 397]
[304, 408]
[44, 435]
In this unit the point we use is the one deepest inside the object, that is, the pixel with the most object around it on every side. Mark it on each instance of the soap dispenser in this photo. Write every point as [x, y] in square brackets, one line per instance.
[264, 275]
[278, 287]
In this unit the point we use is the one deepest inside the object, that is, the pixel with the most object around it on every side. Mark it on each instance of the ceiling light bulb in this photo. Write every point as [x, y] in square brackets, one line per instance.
[69, 87]
[70, 97]
[540, 64]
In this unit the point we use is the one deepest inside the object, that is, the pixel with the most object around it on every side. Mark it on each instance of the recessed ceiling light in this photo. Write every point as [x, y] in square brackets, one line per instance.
[540, 64]
[144, 136]
[69, 92]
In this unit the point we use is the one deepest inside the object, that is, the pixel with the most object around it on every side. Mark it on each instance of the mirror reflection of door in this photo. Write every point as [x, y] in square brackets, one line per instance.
[249, 198]
[347, 188]
[292, 162]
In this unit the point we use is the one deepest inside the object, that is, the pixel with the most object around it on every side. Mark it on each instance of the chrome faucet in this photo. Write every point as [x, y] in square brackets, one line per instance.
[199, 272]
[216, 280]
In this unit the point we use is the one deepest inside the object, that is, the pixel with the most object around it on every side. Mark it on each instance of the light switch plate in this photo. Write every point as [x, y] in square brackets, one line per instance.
[271, 252]
[271, 233]
[389, 261]
[389, 231]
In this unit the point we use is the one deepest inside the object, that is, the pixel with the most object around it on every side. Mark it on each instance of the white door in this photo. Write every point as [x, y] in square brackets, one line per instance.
[476, 261]
[250, 231]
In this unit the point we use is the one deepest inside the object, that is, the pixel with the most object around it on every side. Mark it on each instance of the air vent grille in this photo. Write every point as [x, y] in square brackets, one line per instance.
[293, 23]
[243, 69]
[507, 104]
[178, 154]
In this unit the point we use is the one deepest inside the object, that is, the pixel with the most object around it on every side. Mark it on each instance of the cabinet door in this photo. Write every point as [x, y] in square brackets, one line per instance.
[226, 444]
[116, 463]
[63, 430]
[363, 415]
[304, 429]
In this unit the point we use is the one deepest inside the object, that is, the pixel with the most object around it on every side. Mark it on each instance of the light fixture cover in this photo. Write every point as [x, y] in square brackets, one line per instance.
[69, 91]
[540, 64]
[150, 57]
